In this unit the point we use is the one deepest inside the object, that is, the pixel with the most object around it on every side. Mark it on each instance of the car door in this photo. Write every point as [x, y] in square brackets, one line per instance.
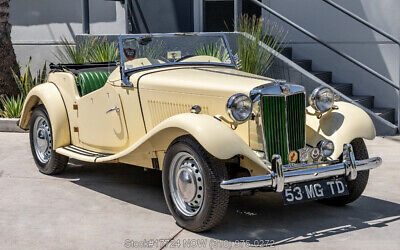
[101, 121]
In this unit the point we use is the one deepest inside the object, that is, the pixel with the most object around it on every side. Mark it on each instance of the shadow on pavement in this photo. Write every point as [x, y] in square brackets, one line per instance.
[253, 218]
[135, 185]
[264, 217]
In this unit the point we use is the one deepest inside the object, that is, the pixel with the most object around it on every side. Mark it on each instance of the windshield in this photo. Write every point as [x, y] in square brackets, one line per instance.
[143, 51]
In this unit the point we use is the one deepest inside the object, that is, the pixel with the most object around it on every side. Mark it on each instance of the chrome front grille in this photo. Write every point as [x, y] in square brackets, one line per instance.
[283, 118]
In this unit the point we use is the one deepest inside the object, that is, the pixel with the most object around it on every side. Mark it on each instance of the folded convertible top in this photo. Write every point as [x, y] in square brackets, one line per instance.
[85, 67]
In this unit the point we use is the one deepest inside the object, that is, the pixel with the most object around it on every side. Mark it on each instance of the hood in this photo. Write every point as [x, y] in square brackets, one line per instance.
[211, 81]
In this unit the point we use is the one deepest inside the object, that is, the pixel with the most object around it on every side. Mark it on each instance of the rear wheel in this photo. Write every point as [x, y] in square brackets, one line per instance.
[41, 140]
[191, 179]
[356, 187]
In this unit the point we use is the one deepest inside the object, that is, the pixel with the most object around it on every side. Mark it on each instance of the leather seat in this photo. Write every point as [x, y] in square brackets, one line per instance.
[91, 81]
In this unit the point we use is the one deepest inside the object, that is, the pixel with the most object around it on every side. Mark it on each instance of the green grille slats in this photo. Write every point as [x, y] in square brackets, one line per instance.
[275, 126]
[284, 124]
[296, 118]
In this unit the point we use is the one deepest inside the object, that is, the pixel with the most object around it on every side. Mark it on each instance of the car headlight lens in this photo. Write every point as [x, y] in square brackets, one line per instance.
[326, 147]
[239, 107]
[322, 99]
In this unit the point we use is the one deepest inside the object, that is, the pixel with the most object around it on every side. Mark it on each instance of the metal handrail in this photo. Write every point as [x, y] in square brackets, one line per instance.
[371, 26]
[359, 19]
[314, 37]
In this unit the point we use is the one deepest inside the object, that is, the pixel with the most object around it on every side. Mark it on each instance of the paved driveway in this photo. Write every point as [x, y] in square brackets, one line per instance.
[119, 207]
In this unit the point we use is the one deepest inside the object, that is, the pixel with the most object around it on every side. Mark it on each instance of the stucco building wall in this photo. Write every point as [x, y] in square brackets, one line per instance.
[37, 26]
[348, 36]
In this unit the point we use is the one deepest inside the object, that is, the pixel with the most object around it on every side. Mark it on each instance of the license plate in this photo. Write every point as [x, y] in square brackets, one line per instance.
[315, 190]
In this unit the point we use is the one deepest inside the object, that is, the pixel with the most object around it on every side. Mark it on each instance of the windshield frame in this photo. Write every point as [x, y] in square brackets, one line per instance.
[125, 72]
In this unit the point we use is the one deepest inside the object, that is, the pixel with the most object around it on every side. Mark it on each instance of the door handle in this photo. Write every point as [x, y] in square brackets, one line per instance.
[116, 108]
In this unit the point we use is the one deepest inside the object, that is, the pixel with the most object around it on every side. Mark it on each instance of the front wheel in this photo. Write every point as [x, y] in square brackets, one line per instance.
[41, 140]
[356, 187]
[191, 179]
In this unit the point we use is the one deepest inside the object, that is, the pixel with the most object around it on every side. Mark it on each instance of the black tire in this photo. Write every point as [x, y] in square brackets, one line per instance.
[357, 186]
[56, 163]
[215, 201]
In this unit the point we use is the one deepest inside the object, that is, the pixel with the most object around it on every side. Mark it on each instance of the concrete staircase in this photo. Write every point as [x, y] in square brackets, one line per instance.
[345, 88]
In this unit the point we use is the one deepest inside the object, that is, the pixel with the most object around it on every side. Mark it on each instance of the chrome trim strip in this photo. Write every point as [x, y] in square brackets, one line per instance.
[321, 171]
[291, 167]
[261, 110]
[274, 89]
[287, 128]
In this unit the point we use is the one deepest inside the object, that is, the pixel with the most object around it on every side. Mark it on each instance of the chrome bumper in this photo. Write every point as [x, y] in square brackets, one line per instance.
[281, 175]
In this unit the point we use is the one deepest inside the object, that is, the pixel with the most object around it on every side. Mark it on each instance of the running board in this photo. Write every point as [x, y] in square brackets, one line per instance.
[80, 153]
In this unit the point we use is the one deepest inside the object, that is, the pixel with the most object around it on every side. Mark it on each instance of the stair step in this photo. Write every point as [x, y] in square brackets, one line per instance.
[325, 76]
[365, 100]
[305, 64]
[385, 113]
[287, 51]
[344, 88]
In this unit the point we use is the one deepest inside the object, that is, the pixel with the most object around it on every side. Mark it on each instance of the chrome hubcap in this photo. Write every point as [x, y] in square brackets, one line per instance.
[186, 184]
[42, 139]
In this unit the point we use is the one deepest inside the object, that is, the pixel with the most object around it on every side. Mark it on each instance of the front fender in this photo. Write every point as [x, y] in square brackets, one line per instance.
[216, 137]
[341, 125]
[48, 95]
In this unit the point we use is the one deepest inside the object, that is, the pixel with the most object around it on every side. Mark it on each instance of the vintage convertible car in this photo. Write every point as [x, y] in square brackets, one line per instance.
[178, 103]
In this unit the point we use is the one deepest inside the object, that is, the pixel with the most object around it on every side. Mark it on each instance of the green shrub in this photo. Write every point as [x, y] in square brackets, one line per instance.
[70, 53]
[253, 58]
[12, 106]
[153, 50]
[26, 81]
[214, 50]
[89, 50]
[103, 51]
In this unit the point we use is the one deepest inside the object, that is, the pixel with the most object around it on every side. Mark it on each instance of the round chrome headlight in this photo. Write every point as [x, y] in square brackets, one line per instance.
[239, 107]
[326, 147]
[322, 99]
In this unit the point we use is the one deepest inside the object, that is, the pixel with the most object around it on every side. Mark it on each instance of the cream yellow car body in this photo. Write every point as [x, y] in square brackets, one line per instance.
[156, 110]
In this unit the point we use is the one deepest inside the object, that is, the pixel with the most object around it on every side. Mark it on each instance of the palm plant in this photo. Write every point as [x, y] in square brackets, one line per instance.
[12, 106]
[103, 51]
[254, 58]
[8, 60]
[89, 50]
[70, 53]
[26, 81]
